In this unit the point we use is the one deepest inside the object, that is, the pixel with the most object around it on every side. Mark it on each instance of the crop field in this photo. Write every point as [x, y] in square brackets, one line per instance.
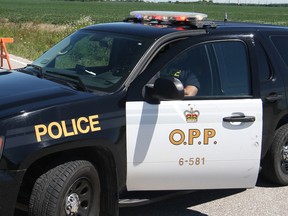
[36, 25]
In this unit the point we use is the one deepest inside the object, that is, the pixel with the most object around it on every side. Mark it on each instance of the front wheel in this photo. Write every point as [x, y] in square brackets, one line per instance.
[275, 164]
[69, 189]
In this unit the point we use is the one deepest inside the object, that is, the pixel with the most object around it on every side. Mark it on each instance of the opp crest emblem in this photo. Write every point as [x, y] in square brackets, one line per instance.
[191, 115]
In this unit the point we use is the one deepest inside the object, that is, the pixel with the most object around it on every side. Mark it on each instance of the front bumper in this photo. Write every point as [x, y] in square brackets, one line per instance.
[10, 182]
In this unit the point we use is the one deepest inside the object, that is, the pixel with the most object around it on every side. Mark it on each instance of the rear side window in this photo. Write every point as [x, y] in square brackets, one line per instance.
[281, 44]
[265, 71]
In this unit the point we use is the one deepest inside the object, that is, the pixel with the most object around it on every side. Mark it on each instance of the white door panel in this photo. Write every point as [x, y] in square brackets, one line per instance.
[167, 149]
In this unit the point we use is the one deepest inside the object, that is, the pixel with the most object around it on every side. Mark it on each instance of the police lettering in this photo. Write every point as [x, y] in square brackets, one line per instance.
[56, 130]
[178, 137]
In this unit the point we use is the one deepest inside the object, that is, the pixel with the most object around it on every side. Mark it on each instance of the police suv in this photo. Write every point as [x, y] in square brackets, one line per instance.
[104, 113]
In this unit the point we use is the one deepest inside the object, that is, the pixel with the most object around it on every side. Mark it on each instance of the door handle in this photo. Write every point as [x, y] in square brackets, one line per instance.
[239, 119]
[273, 97]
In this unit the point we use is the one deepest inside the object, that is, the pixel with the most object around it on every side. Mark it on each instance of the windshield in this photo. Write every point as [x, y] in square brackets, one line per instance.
[100, 60]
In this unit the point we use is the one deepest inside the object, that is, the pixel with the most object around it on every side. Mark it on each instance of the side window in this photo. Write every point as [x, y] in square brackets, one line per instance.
[265, 72]
[233, 68]
[281, 44]
[215, 68]
[192, 68]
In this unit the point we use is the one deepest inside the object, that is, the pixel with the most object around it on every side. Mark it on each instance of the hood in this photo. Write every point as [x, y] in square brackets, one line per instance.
[20, 92]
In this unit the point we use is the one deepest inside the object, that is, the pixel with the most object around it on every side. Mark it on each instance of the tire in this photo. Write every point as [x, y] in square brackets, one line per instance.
[275, 164]
[72, 188]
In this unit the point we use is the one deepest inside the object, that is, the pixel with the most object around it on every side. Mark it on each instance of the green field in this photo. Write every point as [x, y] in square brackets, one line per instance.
[36, 25]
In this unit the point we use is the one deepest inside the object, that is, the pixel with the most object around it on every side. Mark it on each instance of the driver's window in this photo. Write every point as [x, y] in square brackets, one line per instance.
[213, 69]
[191, 67]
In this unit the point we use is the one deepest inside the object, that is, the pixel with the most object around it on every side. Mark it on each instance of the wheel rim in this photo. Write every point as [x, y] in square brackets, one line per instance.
[284, 161]
[79, 198]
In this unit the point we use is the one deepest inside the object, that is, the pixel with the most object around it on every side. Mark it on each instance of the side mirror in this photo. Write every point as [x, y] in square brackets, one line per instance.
[168, 88]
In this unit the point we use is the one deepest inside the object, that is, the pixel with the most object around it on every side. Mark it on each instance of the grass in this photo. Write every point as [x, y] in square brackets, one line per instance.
[36, 25]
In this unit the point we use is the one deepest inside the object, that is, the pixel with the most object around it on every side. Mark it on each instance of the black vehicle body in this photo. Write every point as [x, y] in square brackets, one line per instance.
[28, 101]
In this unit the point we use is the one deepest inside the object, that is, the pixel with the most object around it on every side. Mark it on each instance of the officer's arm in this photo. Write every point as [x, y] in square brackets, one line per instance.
[190, 90]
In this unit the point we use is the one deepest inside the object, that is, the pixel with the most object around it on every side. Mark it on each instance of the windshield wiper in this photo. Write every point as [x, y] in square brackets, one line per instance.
[39, 69]
[81, 69]
[79, 83]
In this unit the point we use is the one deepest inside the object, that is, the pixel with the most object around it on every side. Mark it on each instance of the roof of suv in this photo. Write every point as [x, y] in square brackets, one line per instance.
[137, 29]
[244, 25]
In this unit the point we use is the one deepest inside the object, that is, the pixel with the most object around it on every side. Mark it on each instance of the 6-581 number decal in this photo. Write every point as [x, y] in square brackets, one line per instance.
[197, 161]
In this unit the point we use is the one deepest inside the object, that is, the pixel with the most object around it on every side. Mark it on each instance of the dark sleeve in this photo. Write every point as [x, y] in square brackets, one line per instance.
[192, 80]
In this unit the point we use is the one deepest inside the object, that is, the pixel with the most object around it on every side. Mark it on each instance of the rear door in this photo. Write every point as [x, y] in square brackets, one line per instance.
[211, 140]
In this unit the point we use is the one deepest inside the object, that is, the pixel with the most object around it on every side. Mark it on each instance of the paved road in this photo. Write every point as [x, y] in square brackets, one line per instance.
[16, 62]
[265, 199]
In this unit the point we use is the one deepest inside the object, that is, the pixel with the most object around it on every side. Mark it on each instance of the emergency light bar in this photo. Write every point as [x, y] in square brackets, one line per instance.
[170, 17]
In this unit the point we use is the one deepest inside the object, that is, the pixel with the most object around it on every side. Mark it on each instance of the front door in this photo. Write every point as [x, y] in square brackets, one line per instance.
[211, 140]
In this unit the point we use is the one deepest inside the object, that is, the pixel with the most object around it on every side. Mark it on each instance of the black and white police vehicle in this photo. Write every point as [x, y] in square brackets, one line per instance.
[103, 113]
